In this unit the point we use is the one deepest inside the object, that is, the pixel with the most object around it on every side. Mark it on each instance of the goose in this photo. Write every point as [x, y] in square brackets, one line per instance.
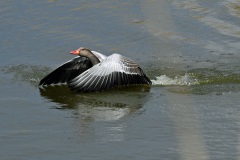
[92, 71]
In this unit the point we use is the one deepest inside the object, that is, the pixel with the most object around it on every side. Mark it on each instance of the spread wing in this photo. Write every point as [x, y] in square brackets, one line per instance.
[67, 71]
[115, 70]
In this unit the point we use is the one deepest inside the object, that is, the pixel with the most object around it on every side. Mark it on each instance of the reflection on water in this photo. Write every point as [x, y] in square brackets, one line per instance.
[191, 142]
[120, 97]
[90, 108]
[103, 106]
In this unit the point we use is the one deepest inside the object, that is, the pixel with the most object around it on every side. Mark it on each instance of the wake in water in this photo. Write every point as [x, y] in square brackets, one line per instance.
[186, 80]
[197, 78]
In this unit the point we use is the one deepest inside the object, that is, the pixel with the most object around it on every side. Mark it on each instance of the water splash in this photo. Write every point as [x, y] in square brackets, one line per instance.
[25, 73]
[35, 80]
[185, 80]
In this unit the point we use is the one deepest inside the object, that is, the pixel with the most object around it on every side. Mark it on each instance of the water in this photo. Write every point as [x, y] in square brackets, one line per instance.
[189, 48]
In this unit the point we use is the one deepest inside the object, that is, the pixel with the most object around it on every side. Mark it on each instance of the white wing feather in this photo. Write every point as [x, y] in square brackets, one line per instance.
[114, 70]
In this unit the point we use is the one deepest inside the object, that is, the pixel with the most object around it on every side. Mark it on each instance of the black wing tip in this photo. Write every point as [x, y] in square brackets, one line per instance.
[66, 72]
[42, 82]
[148, 81]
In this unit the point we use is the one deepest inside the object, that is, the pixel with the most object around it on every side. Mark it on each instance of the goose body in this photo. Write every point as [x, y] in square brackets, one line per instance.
[92, 71]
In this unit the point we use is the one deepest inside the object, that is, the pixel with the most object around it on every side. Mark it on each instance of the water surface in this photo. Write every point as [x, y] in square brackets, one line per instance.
[189, 48]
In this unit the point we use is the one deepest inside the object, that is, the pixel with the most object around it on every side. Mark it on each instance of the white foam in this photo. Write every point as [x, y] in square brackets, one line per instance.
[185, 80]
[37, 80]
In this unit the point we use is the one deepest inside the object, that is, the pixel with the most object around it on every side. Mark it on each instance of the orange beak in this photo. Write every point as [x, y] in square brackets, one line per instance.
[75, 52]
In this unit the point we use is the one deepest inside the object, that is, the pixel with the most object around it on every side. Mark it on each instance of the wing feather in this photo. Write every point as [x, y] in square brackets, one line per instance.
[115, 70]
[67, 71]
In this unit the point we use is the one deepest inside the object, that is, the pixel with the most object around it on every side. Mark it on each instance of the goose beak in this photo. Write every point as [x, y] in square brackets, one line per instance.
[75, 52]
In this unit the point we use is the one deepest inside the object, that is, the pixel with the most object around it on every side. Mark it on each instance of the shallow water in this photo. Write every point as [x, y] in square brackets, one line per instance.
[189, 48]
